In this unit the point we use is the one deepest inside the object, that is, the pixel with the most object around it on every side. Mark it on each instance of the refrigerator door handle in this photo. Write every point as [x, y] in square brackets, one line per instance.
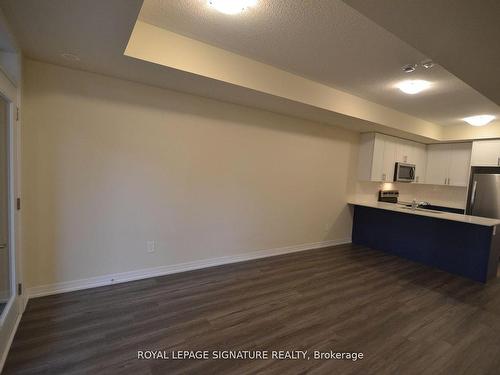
[473, 196]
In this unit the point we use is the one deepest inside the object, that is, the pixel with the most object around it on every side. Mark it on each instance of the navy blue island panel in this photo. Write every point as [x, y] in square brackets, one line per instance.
[469, 250]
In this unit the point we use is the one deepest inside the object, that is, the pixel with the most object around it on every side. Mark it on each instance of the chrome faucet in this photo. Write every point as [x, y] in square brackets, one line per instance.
[414, 204]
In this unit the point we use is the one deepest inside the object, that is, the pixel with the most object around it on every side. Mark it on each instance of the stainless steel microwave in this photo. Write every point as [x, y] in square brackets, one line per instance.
[404, 172]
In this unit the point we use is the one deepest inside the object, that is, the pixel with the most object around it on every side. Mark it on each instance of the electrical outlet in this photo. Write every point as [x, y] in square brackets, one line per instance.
[151, 246]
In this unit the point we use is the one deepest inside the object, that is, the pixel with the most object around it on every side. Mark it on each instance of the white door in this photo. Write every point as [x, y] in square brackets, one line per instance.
[460, 164]
[438, 164]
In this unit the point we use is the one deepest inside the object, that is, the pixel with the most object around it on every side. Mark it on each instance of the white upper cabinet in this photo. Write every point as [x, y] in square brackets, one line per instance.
[486, 153]
[369, 158]
[448, 164]
[420, 161]
[376, 158]
[460, 164]
[412, 153]
[390, 150]
[404, 151]
[438, 164]
[376, 165]
[379, 153]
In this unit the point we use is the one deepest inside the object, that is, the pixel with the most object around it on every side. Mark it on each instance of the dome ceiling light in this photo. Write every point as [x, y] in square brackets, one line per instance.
[479, 120]
[413, 86]
[231, 6]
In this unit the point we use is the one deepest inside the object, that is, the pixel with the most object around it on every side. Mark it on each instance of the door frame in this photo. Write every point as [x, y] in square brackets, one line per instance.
[16, 304]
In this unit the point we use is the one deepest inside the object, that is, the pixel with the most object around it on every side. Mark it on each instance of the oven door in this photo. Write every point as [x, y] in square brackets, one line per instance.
[404, 172]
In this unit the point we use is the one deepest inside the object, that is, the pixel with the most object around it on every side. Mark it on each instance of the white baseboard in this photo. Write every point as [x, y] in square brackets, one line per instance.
[5, 353]
[93, 282]
[24, 302]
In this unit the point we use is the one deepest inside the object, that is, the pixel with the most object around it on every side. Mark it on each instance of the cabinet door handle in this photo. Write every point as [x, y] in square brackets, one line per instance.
[383, 176]
[499, 161]
[445, 180]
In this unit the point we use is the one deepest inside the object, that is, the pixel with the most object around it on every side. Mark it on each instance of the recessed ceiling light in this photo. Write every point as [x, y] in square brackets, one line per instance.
[231, 6]
[428, 64]
[70, 57]
[409, 68]
[413, 86]
[480, 120]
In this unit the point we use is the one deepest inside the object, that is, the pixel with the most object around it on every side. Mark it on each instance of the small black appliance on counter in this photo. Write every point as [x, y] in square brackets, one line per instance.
[388, 196]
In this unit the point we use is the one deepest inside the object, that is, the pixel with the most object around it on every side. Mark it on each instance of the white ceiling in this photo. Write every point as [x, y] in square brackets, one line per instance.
[326, 41]
[463, 35]
[329, 42]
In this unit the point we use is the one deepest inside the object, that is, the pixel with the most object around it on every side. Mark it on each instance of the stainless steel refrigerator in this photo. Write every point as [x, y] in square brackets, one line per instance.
[484, 192]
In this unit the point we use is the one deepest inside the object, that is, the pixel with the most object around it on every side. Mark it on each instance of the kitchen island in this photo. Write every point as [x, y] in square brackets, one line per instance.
[460, 244]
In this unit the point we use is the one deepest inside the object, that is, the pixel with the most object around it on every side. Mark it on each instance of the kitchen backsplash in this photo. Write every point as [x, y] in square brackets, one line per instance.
[447, 196]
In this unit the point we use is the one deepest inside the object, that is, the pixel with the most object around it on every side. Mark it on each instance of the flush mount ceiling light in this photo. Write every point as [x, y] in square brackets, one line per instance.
[231, 6]
[480, 120]
[413, 86]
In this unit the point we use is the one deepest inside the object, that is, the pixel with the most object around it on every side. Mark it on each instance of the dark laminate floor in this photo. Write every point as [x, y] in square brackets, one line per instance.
[405, 317]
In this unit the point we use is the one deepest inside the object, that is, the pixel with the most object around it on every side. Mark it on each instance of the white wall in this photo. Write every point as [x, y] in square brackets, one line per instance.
[110, 164]
[189, 55]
